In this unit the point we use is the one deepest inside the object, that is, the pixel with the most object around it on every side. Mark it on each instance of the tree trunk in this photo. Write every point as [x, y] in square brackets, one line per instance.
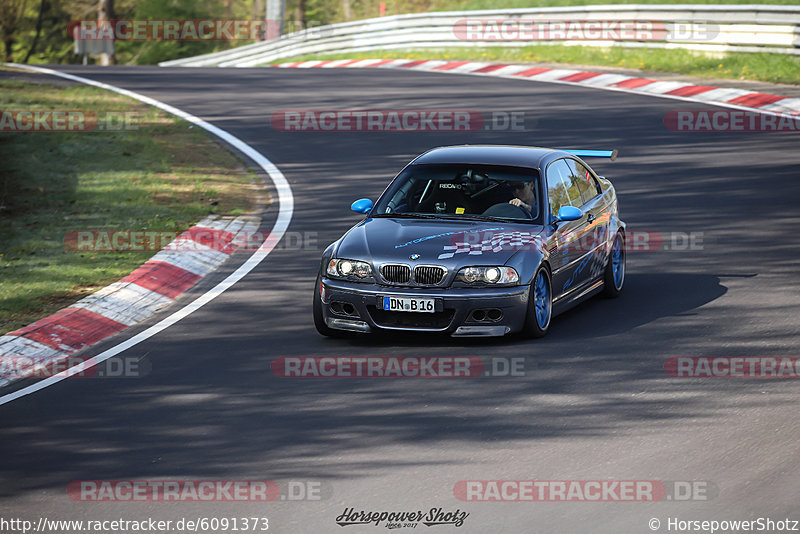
[300, 15]
[258, 10]
[9, 44]
[38, 32]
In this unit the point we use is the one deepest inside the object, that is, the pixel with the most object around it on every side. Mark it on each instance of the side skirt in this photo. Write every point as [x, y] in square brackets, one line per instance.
[570, 301]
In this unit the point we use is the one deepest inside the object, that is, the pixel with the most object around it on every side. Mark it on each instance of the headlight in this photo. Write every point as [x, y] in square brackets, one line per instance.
[341, 268]
[492, 275]
[488, 275]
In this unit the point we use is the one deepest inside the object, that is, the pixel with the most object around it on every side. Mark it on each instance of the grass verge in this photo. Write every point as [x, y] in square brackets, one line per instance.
[156, 173]
[775, 68]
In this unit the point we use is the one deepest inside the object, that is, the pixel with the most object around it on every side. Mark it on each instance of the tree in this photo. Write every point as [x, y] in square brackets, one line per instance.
[258, 10]
[38, 32]
[12, 12]
[300, 15]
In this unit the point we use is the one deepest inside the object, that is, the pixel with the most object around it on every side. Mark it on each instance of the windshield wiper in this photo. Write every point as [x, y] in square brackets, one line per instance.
[489, 218]
[497, 219]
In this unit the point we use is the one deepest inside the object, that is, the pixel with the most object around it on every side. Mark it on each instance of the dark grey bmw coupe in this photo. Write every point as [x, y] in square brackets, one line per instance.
[475, 241]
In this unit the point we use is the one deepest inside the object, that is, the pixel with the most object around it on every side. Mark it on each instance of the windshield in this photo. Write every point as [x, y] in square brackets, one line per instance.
[462, 191]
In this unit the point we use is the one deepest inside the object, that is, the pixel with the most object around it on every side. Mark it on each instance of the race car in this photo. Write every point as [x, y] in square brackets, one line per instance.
[475, 241]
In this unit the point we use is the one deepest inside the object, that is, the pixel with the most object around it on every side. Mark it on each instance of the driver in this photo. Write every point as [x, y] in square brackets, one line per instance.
[524, 196]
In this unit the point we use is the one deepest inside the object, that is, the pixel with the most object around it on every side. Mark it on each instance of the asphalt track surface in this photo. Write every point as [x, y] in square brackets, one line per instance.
[595, 402]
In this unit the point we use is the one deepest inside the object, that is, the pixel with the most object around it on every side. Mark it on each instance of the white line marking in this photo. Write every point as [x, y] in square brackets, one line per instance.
[285, 210]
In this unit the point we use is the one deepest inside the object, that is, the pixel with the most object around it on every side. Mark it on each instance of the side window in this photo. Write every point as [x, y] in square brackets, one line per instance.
[558, 185]
[582, 178]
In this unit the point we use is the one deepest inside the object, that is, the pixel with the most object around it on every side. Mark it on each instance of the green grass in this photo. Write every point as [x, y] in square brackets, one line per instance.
[776, 68]
[163, 175]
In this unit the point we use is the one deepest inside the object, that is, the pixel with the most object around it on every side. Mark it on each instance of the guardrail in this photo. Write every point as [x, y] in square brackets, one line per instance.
[709, 28]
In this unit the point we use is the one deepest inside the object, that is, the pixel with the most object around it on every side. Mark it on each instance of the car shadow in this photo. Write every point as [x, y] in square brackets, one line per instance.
[645, 298]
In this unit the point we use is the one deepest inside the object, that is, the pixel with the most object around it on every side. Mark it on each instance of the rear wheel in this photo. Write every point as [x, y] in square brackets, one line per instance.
[540, 305]
[614, 276]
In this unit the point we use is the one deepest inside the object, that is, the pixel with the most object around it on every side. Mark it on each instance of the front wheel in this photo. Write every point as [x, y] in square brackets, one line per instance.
[614, 275]
[540, 305]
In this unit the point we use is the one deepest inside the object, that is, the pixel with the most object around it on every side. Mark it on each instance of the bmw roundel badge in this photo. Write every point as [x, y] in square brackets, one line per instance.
[414, 257]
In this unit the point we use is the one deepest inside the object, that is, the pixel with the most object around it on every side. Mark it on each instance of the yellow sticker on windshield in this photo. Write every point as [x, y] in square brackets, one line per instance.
[459, 210]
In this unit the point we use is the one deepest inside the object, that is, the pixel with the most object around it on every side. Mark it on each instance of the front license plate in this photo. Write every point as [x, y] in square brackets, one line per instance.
[407, 304]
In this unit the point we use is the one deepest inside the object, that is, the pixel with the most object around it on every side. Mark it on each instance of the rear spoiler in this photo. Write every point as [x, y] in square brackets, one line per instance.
[612, 154]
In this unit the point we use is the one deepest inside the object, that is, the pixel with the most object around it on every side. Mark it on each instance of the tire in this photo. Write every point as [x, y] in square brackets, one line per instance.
[614, 276]
[540, 305]
[319, 319]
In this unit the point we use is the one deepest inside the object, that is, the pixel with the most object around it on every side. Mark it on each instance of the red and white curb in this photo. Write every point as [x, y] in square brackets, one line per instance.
[728, 97]
[156, 284]
[284, 201]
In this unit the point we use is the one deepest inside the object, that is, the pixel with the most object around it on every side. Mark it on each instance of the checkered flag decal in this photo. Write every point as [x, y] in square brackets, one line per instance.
[498, 242]
[598, 263]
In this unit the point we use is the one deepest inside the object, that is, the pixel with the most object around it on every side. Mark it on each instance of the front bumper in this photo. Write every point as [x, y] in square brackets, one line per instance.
[357, 307]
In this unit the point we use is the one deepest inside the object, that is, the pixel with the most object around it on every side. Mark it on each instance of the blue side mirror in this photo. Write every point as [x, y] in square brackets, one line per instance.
[363, 205]
[569, 213]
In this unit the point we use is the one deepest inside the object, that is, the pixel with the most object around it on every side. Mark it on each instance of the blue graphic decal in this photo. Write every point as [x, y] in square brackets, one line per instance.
[577, 271]
[426, 238]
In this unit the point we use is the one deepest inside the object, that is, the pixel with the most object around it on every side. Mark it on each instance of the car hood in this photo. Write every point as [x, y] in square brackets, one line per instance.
[451, 243]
